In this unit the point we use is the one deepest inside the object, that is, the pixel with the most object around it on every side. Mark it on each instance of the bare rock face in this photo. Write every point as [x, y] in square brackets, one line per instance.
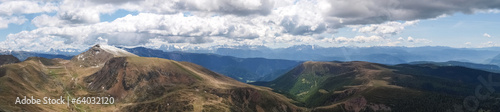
[7, 59]
[97, 55]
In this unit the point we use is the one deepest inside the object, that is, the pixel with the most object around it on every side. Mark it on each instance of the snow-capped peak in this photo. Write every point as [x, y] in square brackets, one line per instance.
[115, 51]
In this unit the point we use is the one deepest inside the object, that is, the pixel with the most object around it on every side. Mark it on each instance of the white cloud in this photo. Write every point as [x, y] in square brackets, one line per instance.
[138, 30]
[80, 16]
[10, 10]
[77, 12]
[489, 11]
[304, 19]
[489, 44]
[486, 35]
[400, 38]
[26, 7]
[77, 22]
[289, 24]
[468, 43]
[5, 21]
[414, 40]
[355, 12]
[47, 21]
[410, 39]
[231, 7]
[384, 29]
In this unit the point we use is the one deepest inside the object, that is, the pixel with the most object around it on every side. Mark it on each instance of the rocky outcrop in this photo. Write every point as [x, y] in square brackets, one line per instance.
[97, 55]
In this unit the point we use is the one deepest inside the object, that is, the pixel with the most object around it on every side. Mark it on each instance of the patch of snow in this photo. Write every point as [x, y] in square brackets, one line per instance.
[116, 51]
[80, 57]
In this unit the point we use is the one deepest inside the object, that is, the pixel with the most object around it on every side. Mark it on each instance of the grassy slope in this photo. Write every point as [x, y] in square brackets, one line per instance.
[156, 84]
[210, 91]
[331, 86]
[38, 77]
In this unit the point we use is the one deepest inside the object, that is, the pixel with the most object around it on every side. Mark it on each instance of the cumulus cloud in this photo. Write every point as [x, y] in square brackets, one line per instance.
[400, 38]
[288, 23]
[410, 39]
[304, 19]
[352, 12]
[45, 20]
[5, 21]
[139, 29]
[77, 23]
[233, 7]
[26, 7]
[385, 29]
[486, 35]
[10, 10]
[72, 12]
[80, 16]
[414, 40]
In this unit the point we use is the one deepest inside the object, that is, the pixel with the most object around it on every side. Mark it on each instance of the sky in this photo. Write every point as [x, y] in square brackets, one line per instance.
[41, 25]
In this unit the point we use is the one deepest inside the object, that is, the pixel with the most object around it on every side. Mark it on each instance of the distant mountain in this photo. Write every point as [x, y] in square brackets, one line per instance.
[495, 60]
[242, 69]
[68, 51]
[377, 54]
[364, 86]
[485, 67]
[22, 55]
[7, 59]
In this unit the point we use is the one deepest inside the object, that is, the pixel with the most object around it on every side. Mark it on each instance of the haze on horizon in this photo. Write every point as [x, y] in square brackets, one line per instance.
[73, 24]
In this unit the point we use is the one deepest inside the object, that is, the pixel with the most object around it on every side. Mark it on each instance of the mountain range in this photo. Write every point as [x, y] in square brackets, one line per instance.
[375, 54]
[23, 55]
[136, 83]
[242, 69]
[495, 60]
[485, 67]
[142, 79]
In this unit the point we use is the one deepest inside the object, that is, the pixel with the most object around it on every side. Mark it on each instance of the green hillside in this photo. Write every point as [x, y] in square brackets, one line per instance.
[363, 86]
